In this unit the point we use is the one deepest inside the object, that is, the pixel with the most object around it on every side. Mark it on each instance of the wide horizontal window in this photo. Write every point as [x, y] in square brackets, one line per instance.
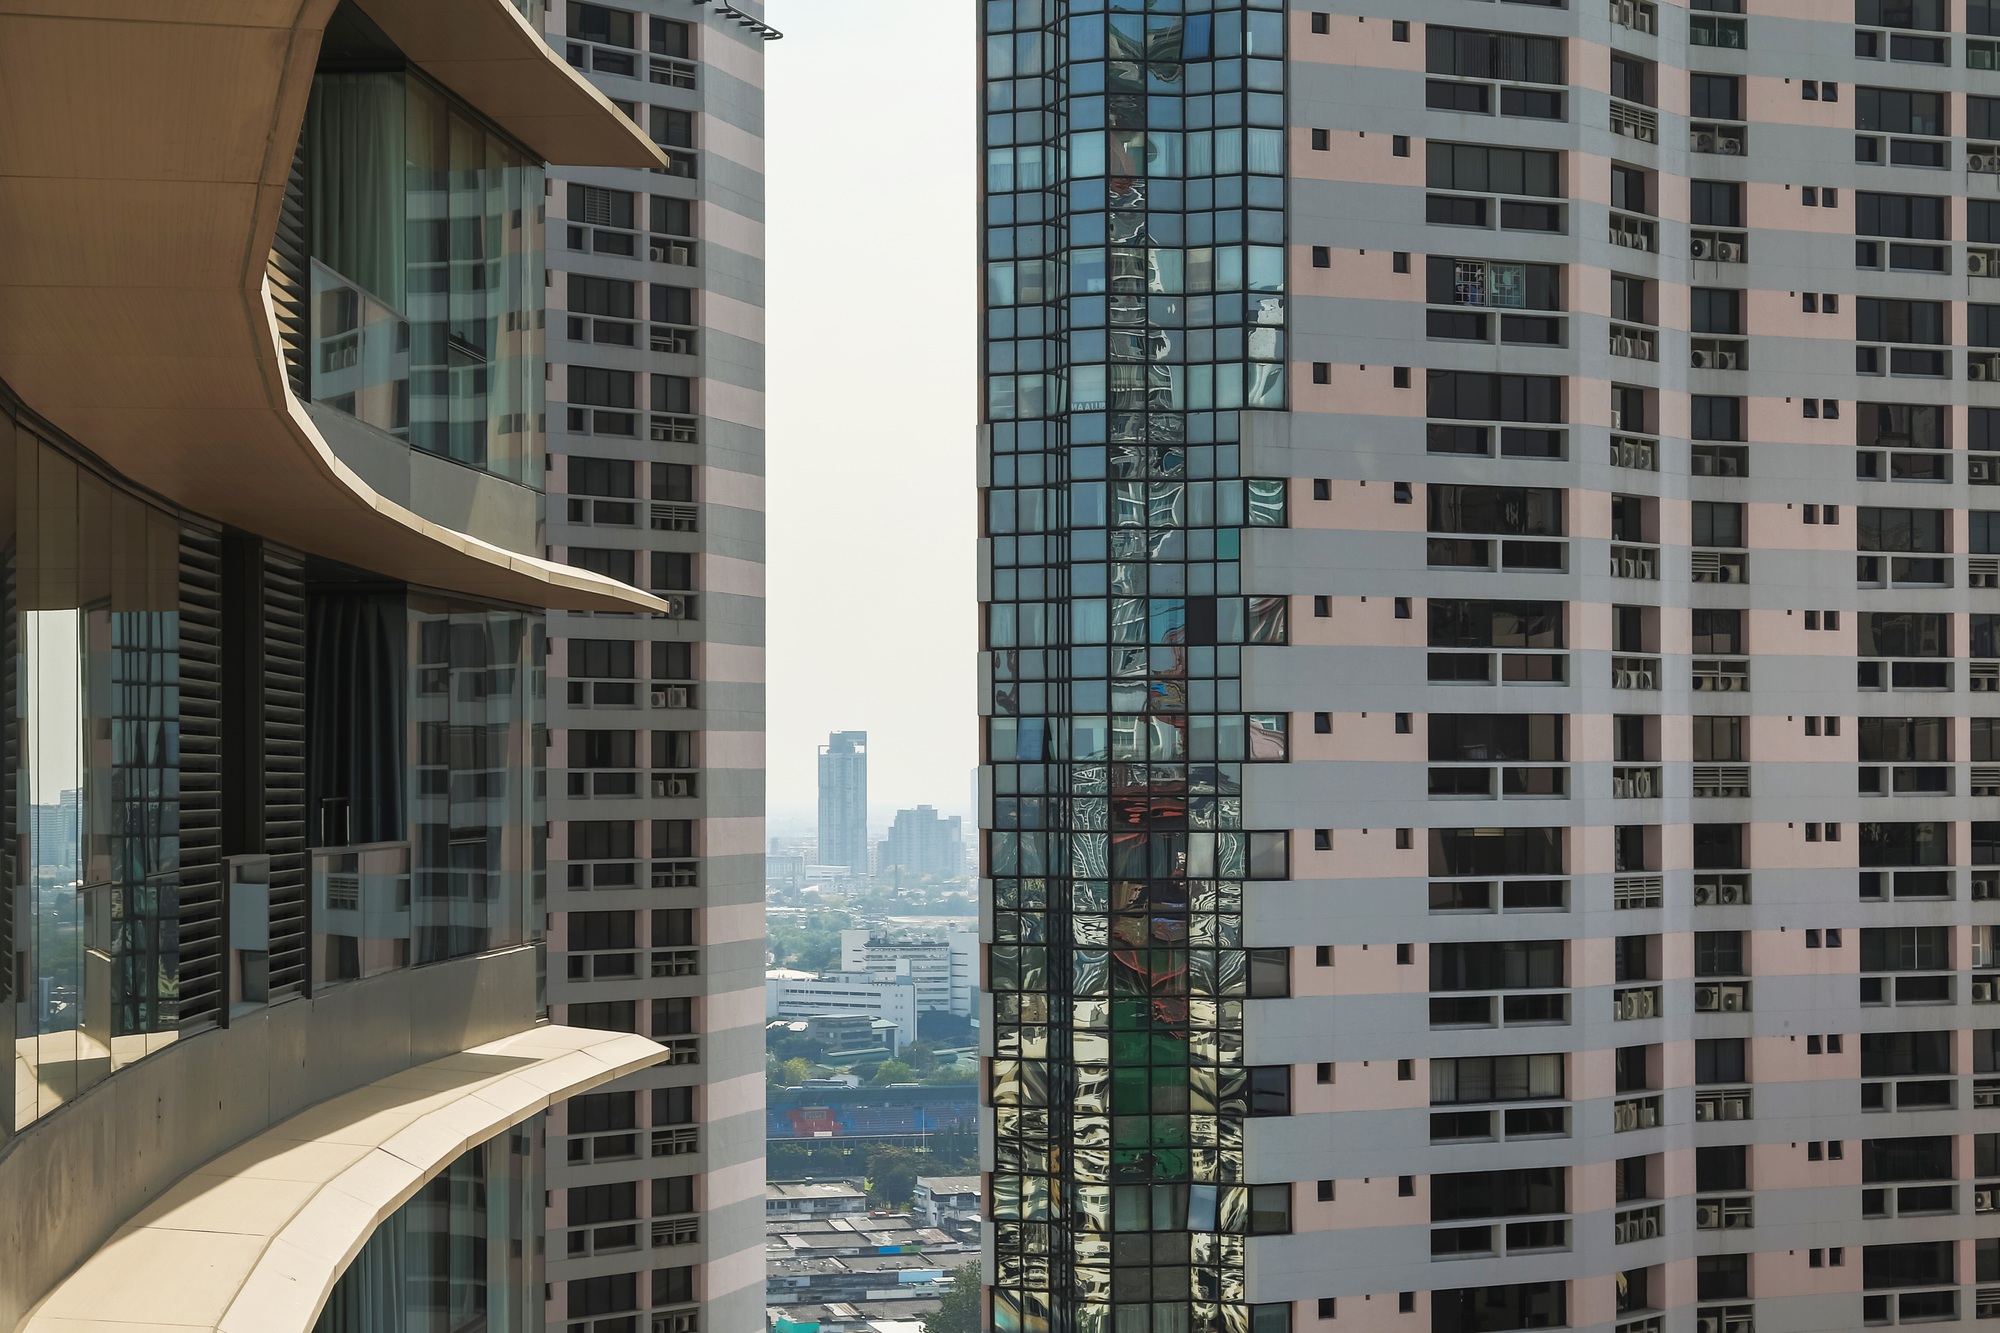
[1478, 169]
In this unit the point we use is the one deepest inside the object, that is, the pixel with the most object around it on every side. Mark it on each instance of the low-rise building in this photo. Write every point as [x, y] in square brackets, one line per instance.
[939, 1197]
[813, 1199]
[944, 970]
[792, 996]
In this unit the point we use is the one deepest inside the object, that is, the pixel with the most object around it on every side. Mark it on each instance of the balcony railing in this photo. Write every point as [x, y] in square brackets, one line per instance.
[1637, 1224]
[1637, 891]
[1722, 675]
[1631, 1113]
[1637, 782]
[1731, 1212]
[1635, 562]
[1637, 452]
[1635, 673]
[1630, 1003]
[1721, 1104]
[1721, 780]
[1725, 889]
[1635, 121]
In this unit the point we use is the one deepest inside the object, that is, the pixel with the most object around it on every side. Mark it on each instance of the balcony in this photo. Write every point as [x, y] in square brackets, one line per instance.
[1710, 566]
[1637, 782]
[1917, 1094]
[1632, 1003]
[1635, 673]
[1636, 1224]
[1635, 121]
[1637, 15]
[1635, 341]
[1719, 247]
[1727, 889]
[1712, 1104]
[1719, 353]
[1515, 1009]
[1721, 997]
[1721, 781]
[1730, 1212]
[1728, 675]
[1635, 232]
[678, 1141]
[1634, 1113]
[1632, 892]
[1718, 30]
[1723, 138]
[1725, 1319]
[1636, 452]
[1635, 562]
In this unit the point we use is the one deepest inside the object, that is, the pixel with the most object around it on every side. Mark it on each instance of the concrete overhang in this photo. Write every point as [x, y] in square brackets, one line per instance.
[142, 172]
[254, 1241]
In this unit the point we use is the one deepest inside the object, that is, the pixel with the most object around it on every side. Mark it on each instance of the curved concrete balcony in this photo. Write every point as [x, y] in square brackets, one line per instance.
[141, 177]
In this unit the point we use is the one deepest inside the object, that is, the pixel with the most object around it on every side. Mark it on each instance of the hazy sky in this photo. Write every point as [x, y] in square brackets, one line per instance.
[872, 381]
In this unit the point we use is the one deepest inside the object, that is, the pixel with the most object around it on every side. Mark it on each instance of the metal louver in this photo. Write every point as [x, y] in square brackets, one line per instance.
[288, 270]
[200, 912]
[284, 775]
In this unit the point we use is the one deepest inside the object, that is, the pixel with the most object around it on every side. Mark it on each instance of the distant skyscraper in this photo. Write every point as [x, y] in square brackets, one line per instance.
[843, 800]
[922, 843]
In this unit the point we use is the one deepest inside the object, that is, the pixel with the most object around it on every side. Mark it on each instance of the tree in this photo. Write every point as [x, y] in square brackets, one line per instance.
[958, 1311]
[892, 1174]
[920, 1057]
[893, 1071]
[948, 1076]
[797, 1070]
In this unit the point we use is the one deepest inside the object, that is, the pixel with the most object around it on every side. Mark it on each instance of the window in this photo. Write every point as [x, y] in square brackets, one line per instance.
[594, 23]
[673, 1286]
[1470, 852]
[1492, 1309]
[1322, 256]
[1716, 418]
[1722, 1277]
[1879, 320]
[1717, 203]
[1880, 529]
[673, 571]
[672, 128]
[1321, 22]
[1477, 396]
[611, 477]
[598, 1112]
[1270, 1090]
[1717, 310]
[1719, 1060]
[1497, 965]
[672, 217]
[620, 565]
[1715, 97]
[1320, 141]
[615, 1292]
[600, 296]
[1520, 511]
[1496, 1078]
[1899, 111]
[673, 1194]
[1468, 54]
[1913, 216]
[1481, 169]
[1717, 523]
[1718, 740]
[602, 388]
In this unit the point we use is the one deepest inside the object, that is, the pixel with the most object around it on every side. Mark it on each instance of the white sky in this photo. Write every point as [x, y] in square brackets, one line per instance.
[872, 382]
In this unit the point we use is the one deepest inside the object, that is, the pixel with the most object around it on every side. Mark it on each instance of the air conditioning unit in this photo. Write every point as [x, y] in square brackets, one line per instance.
[1620, 347]
[1979, 469]
[1627, 14]
[1618, 417]
[1705, 1110]
[1975, 370]
[1985, 1201]
[1707, 999]
[1699, 248]
[671, 696]
[1649, 1227]
[675, 785]
[1704, 142]
[1704, 895]
[1726, 360]
[1733, 1108]
[1982, 992]
[1708, 1323]
[1708, 1217]
[1729, 252]
[1732, 1000]
[1982, 162]
[677, 606]
[1992, 364]
[1976, 263]
[1700, 360]
[1729, 147]
[1731, 894]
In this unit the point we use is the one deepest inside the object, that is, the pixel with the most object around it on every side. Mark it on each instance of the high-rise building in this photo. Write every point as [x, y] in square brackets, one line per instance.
[1490, 636]
[843, 801]
[272, 820]
[656, 477]
[923, 843]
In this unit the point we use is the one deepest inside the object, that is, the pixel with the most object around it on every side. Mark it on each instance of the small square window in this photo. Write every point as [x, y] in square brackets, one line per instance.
[1402, 492]
[1406, 1301]
[1829, 92]
[1809, 196]
[1831, 726]
[1816, 1258]
[1400, 261]
[1829, 197]
[1808, 302]
[1322, 488]
[1812, 620]
[1322, 256]
[1406, 1070]
[1326, 1303]
[1323, 955]
[1323, 724]
[1400, 377]
[1322, 606]
[1322, 23]
[1833, 942]
[1402, 608]
[1406, 840]
[1322, 839]
[1406, 954]
[1831, 620]
[1812, 729]
[1812, 835]
[1321, 141]
[1400, 145]
[1812, 1048]
[1812, 942]
[1830, 515]
[1326, 1196]
[1399, 30]
[1815, 1150]
[1835, 1255]
[1830, 407]
[1404, 724]
[1810, 407]
[1829, 303]
[1833, 835]
[1809, 90]
[1325, 1071]
[1811, 513]
[1834, 1150]
[1322, 372]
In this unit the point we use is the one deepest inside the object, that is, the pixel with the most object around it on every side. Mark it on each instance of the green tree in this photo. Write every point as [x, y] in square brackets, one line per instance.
[948, 1076]
[797, 1070]
[958, 1311]
[893, 1071]
[892, 1174]
[920, 1056]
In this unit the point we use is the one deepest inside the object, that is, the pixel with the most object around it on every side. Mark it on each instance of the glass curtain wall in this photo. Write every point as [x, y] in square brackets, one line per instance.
[1135, 265]
[462, 1256]
[89, 651]
[426, 236]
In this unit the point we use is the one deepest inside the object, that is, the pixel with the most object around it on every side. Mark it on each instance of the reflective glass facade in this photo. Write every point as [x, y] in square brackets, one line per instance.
[425, 230]
[1135, 310]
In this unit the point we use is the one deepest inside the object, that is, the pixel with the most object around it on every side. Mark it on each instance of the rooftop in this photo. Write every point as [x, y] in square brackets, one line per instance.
[815, 1190]
[950, 1184]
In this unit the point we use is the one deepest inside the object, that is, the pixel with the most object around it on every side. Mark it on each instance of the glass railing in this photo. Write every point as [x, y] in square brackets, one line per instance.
[361, 910]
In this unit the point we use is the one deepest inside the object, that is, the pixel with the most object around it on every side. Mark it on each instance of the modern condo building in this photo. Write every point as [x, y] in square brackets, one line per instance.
[656, 444]
[272, 861]
[1492, 577]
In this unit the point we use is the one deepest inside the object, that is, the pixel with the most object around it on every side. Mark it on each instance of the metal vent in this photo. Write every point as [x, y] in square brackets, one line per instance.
[200, 914]
[289, 272]
[284, 629]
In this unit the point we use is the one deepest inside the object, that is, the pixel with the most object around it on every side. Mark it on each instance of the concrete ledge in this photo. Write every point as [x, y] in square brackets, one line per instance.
[254, 1240]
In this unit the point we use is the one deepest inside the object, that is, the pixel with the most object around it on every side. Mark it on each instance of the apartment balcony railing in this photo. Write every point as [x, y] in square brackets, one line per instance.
[1725, 889]
[1721, 780]
[1636, 452]
[1712, 1104]
[1730, 1212]
[1631, 1225]
[1725, 675]
[1637, 891]
[1635, 121]
[1635, 562]
[1637, 782]
[1634, 1113]
[1632, 1003]
[1638, 15]
[1635, 673]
